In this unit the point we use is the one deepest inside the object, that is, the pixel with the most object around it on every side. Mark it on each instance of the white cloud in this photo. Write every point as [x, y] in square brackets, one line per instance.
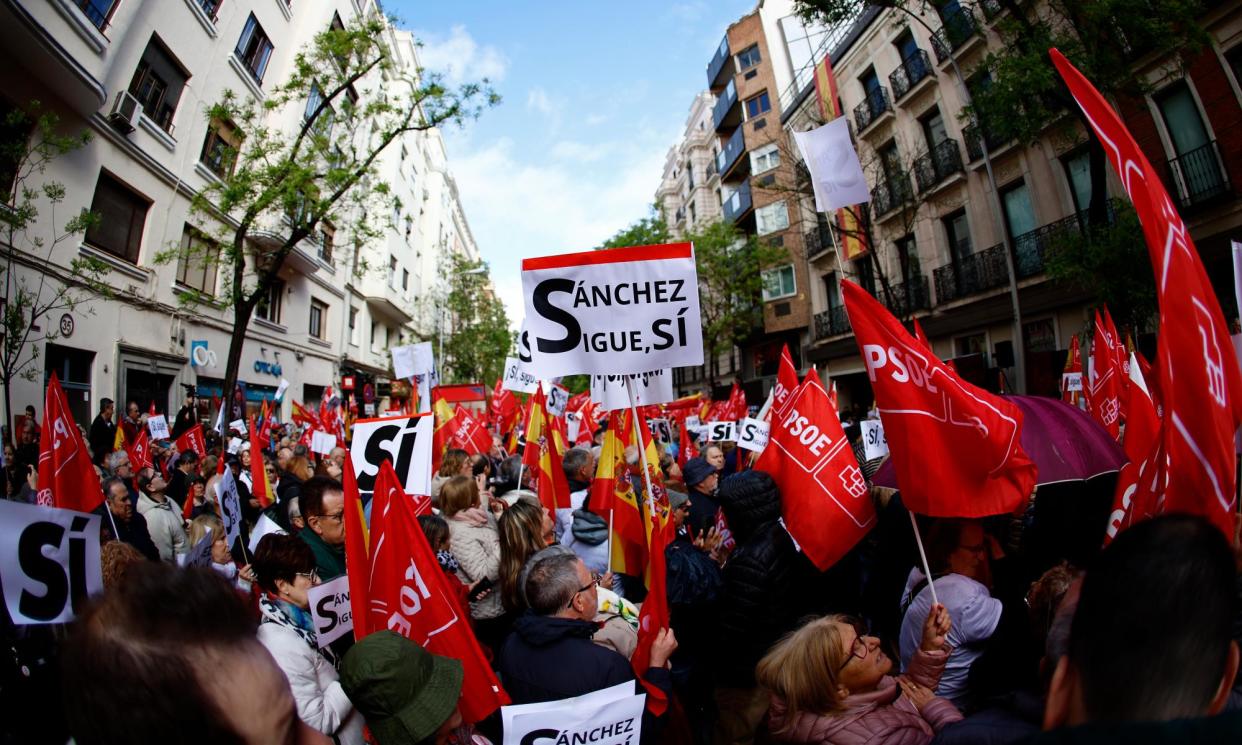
[537, 100]
[459, 57]
[579, 151]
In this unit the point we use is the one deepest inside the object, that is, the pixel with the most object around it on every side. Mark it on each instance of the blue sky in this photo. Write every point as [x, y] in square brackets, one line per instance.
[594, 96]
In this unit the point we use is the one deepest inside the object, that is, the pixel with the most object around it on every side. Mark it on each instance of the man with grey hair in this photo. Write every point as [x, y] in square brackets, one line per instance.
[120, 520]
[579, 467]
[550, 655]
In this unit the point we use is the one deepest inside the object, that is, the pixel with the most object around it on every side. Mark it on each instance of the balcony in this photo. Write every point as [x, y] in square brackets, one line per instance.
[913, 70]
[974, 148]
[874, 107]
[1031, 248]
[818, 241]
[979, 272]
[721, 64]
[1199, 176]
[733, 151]
[832, 322]
[958, 29]
[891, 194]
[727, 113]
[904, 298]
[738, 204]
[935, 167]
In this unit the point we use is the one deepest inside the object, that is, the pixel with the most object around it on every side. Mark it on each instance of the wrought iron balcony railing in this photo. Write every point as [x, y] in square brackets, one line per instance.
[913, 70]
[874, 105]
[956, 30]
[978, 272]
[832, 322]
[932, 168]
[1199, 175]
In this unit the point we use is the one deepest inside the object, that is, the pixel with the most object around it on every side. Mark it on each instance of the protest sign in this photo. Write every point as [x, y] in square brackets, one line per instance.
[238, 425]
[1072, 382]
[322, 442]
[612, 716]
[403, 362]
[660, 430]
[721, 431]
[200, 554]
[693, 424]
[753, 434]
[573, 423]
[518, 378]
[875, 444]
[405, 441]
[626, 310]
[158, 427]
[330, 610]
[49, 561]
[654, 387]
[280, 389]
[230, 506]
[264, 526]
[558, 396]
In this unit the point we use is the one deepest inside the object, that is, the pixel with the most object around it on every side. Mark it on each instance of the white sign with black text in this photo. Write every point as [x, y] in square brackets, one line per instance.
[330, 610]
[753, 434]
[653, 387]
[230, 506]
[660, 430]
[49, 562]
[558, 397]
[518, 378]
[612, 716]
[1072, 381]
[625, 310]
[721, 431]
[875, 444]
[405, 441]
[158, 427]
[573, 424]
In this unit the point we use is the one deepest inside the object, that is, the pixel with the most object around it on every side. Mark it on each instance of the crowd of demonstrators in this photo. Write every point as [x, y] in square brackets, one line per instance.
[1135, 642]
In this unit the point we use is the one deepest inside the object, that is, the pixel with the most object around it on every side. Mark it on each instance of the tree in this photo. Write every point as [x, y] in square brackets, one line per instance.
[32, 301]
[277, 186]
[646, 231]
[475, 351]
[1017, 95]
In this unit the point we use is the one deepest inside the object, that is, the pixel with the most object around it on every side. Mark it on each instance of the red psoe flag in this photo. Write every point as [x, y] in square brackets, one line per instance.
[1197, 374]
[786, 382]
[653, 617]
[921, 335]
[139, 451]
[824, 498]
[444, 428]
[192, 439]
[469, 434]
[260, 489]
[409, 595]
[1073, 371]
[67, 478]
[1133, 498]
[955, 447]
[1105, 387]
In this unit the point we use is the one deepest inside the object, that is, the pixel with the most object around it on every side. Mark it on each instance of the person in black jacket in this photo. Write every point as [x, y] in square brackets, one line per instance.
[103, 432]
[550, 655]
[125, 523]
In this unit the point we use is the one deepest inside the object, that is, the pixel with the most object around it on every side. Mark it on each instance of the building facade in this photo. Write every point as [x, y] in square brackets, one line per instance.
[140, 76]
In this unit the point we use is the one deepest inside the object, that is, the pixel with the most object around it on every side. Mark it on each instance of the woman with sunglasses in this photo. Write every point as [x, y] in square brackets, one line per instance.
[284, 567]
[830, 683]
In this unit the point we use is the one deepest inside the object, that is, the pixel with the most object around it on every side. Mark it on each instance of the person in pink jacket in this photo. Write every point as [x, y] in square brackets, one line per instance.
[830, 683]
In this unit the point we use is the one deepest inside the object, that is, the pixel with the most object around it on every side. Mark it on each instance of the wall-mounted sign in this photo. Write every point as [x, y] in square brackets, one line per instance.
[200, 355]
[264, 367]
[66, 325]
[347, 383]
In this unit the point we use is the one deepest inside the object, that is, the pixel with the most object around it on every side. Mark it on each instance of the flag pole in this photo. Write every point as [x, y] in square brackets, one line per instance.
[642, 450]
[611, 511]
[918, 538]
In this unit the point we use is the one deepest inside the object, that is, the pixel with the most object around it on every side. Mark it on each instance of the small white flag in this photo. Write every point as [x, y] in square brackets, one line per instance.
[836, 173]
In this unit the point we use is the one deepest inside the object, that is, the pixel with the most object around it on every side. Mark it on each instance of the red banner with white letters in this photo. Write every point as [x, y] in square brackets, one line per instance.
[67, 479]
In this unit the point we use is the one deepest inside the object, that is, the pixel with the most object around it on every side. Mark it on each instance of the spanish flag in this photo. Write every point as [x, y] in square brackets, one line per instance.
[260, 488]
[543, 454]
[613, 491]
[445, 426]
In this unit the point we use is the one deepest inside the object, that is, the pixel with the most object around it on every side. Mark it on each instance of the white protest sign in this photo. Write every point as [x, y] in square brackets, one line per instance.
[200, 554]
[612, 716]
[625, 310]
[518, 378]
[264, 526]
[425, 382]
[280, 389]
[158, 427]
[1072, 381]
[653, 387]
[660, 430]
[403, 440]
[330, 610]
[49, 561]
[721, 431]
[403, 365]
[693, 424]
[424, 360]
[836, 174]
[235, 444]
[875, 444]
[322, 442]
[753, 434]
[238, 425]
[230, 506]
[573, 423]
[558, 396]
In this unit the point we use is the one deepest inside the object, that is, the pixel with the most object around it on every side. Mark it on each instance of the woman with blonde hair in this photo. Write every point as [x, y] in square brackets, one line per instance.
[525, 529]
[476, 546]
[830, 683]
[221, 558]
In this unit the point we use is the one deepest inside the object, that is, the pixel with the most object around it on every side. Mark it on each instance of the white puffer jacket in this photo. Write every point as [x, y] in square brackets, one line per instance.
[165, 525]
[477, 550]
[321, 701]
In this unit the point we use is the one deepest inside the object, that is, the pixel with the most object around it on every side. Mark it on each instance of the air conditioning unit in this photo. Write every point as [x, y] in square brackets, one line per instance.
[125, 112]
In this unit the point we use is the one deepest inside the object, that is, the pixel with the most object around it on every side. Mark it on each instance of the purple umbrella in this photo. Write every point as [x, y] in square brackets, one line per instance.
[1065, 443]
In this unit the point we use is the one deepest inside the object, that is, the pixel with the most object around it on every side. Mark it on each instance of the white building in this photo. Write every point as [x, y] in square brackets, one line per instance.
[689, 194]
[321, 322]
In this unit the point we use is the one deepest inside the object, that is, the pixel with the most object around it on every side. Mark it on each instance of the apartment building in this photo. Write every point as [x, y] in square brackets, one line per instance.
[749, 179]
[140, 76]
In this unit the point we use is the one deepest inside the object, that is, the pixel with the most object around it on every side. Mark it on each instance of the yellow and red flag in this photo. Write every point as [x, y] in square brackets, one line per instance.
[445, 426]
[260, 489]
[613, 490]
[543, 454]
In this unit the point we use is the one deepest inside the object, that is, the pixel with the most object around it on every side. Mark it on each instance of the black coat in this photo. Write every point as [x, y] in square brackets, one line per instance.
[103, 437]
[134, 532]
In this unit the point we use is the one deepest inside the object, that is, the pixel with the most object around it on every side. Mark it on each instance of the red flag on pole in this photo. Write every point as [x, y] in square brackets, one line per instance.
[409, 595]
[260, 489]
[139, 451]
[824, 496]
[786, 382]
[1133, 498]
[1073, 371]
[654, 614]
[1200, 385]
[1104, 388]
[357, 551]
[67, 479]
[192, 439]
[469, 434]
[921, 335]
[955, 447]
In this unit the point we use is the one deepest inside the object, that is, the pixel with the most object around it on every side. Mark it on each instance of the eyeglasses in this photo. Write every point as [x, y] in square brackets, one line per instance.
[595, 578]
[312, 575]
[338, 516]
[859, 648]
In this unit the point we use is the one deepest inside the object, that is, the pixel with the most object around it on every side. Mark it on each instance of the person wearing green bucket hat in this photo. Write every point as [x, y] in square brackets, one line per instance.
[405, 693]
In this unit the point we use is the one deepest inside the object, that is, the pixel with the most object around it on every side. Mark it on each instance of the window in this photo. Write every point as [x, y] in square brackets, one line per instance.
[158, 83]
[375, 327]
[196, 264]
[1078, 172]
[318, 319]
[771, 218]
[758, 105]
[409, 226]
[353, 326]
[405, 279]
[693, 216]
[933, 129]
[832, 290]
[870, 82]
[210, 7]
[890, 161]
[765, 158]
[254, 49]
[748, 57]
[908, 256]
[1234, 58]
[957, 231]
[1019, 214]
[122, 214]
[392, 272]
[690, 173]
[98, 11]
[1181, 118]
[866, 274]
[327, 238]
[779, 283]
[220, 148]
[269, 307]
[322, 125]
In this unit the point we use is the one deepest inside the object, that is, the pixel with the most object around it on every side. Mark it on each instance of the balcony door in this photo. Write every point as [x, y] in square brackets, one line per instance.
[1020, 223]
[1195, 163]
[934, 132]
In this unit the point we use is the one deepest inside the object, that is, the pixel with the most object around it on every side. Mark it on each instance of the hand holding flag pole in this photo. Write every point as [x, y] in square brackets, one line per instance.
[918, 538]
